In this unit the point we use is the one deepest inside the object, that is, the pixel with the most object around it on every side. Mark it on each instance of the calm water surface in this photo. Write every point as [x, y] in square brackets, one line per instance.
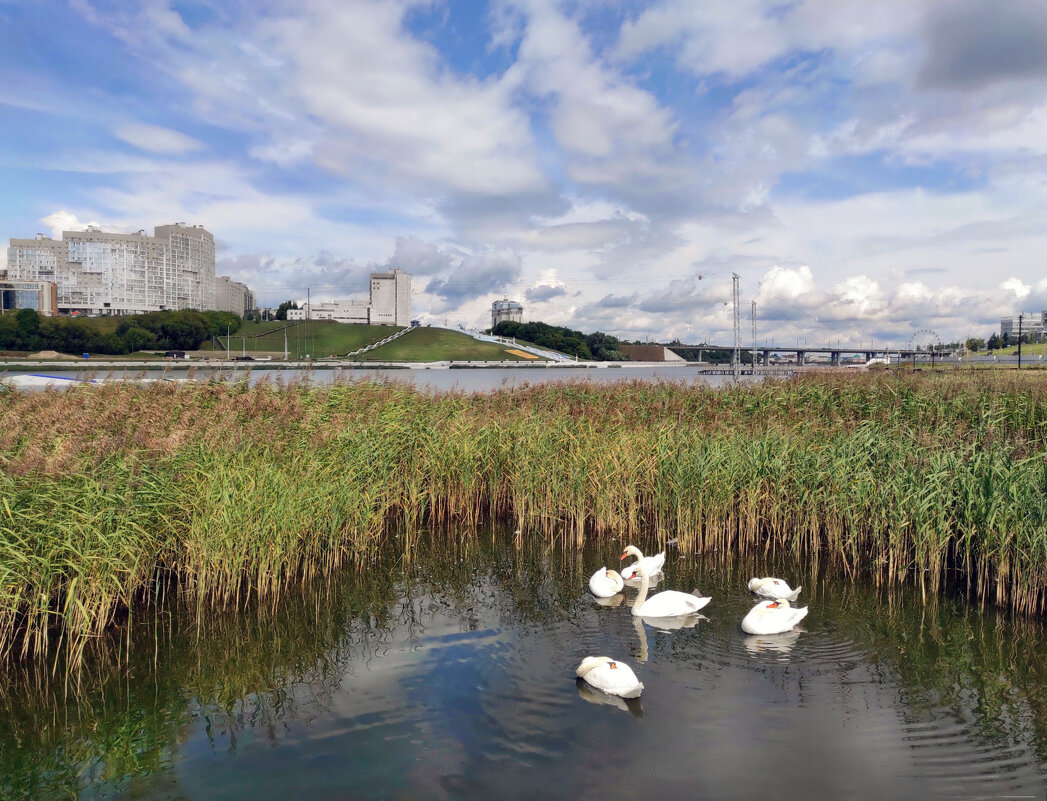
[465, 379]
[451, 675]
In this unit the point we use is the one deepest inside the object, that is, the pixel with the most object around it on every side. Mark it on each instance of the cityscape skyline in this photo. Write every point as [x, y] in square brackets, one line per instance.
[869, 171]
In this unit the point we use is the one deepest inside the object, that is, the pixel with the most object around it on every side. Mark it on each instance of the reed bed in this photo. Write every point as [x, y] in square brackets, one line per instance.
[112, 495]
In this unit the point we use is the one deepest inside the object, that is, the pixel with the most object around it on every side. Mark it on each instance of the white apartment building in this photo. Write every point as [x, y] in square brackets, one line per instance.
[389, 304]
[104, 273]
[233, 296]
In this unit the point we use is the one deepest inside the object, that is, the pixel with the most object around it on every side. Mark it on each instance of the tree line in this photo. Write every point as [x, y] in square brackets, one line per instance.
[598, 345]
[25, 330]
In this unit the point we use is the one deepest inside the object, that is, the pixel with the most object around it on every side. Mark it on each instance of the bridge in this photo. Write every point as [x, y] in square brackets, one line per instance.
[836, 355]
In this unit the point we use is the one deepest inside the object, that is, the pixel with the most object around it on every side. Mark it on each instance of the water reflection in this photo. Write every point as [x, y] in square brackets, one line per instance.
[594, 696]
[447, 675]
[772, 643]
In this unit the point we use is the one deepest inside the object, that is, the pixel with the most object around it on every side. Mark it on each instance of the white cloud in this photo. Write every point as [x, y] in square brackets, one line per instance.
[156, 139]
[63, 220]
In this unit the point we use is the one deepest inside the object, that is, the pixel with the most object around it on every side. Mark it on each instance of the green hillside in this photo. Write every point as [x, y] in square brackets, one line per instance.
[440, 344]
[320, 339]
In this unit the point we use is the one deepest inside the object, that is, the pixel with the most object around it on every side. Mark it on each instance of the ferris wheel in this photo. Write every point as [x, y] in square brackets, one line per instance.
[925, 341]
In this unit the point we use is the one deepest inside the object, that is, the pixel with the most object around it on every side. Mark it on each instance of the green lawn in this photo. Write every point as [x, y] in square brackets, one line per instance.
[1030, 349]
[440, 344]
[320, 339]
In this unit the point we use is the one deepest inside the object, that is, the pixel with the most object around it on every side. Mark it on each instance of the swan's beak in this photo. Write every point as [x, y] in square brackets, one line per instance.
[773, 606]
[620, 558]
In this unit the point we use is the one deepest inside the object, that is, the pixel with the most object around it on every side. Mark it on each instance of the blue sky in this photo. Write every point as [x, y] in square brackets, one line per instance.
[869, 169]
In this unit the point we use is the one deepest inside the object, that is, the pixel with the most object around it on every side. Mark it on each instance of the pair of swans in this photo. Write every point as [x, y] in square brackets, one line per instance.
[606, 583]
[777, 614]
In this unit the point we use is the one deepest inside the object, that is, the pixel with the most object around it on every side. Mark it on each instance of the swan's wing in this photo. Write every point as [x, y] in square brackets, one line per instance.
[700, 601]
[792, 596]
[657, 562]
[798, 615]
[672, 603]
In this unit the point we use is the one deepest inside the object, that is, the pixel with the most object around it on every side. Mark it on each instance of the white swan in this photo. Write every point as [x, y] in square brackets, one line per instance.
[604, 583]
[665, 604]
[610, 676]
[652, 564]
[773, 588]
[772, 617]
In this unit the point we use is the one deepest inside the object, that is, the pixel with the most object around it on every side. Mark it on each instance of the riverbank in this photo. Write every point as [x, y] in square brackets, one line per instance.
[115, 493]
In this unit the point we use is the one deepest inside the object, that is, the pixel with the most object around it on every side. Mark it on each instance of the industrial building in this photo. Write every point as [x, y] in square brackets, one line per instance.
[1032, 326]
[40, 296]
[101, 273]
[389, 304]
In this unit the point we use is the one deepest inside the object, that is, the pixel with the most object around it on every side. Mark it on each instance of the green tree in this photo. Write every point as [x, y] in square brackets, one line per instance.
[281, 310]
[27, 326]
[974, 344]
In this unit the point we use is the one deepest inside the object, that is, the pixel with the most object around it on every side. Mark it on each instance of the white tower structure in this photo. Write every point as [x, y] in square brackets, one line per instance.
[506, 311]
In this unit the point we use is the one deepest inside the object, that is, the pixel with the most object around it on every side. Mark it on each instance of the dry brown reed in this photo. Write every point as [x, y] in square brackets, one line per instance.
[237, 491]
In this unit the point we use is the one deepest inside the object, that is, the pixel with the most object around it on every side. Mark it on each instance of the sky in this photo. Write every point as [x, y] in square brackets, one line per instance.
[874, 172]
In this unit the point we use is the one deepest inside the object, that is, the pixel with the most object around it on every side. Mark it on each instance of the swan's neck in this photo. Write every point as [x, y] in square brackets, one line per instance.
[645, 584]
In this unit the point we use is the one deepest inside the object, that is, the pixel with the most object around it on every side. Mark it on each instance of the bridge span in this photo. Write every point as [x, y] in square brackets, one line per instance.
[837, 355]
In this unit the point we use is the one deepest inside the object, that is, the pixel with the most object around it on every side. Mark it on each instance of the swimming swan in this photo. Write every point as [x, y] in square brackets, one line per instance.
[773, 588]
[665, 604]
[652, 564]
[772, 617]
[610, 676]
[605, 583]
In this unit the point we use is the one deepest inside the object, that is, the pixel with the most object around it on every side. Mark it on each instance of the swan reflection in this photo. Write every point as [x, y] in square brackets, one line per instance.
[594, 696]
[614, 600]
[674, 623]
[772, 643]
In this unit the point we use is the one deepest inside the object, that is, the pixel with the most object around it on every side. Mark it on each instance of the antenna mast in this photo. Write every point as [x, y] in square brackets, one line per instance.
[755, 357]
[736, 356]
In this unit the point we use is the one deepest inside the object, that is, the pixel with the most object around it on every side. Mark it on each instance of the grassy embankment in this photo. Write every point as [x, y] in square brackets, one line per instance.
[326, 339]
[112, 494]
[318, 338]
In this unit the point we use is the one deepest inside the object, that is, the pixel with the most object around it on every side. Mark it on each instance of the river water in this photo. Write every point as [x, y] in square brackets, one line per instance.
[427, 378]
[450, 675]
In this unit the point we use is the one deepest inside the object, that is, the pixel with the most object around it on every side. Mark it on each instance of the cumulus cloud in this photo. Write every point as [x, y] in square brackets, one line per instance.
[820, 149]
[63, 220]
[475, 276]
[540, 294]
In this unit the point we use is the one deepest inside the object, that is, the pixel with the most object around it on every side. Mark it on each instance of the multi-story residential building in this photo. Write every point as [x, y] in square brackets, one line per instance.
[389, 304]
[506, 311]
[98, 272]
[233, 296]
[1032, 327]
